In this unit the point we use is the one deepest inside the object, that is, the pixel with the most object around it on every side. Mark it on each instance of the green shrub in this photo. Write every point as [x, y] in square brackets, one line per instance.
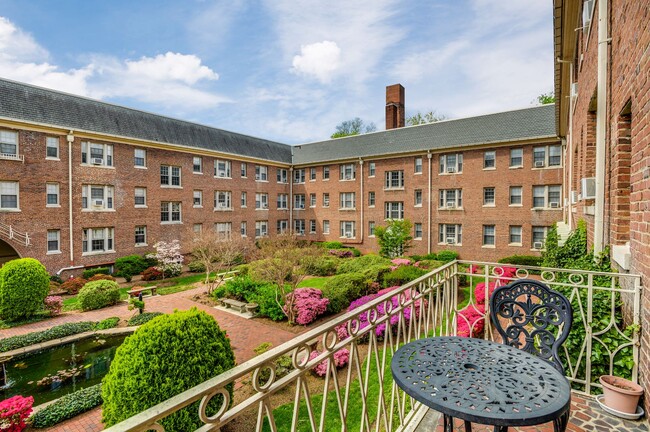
[265, 297]
[196, 267]
[429, 256]
[356, 265]
[163, 358]
[243, 269]
[355, 252]
[402, 275]
[108, 323]
[527, 260]
[24, 284]
[142, 318]
[429, 264]
[87, 274]
[332, 245]
[342, 289]
[151, 274]
[56, 332]
[73, 285]
[68, 406]
[101, 276]
[446, 256]
[98, 294]
[321, 265]
[241, 288]
[56, 278]
[130, 265]
[376, 272]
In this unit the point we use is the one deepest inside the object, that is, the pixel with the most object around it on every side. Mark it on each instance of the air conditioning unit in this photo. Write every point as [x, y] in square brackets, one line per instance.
[574, 197]
[348, 235]
[98, 203]
[222, 174]
[97, 161]
[451, 169]
[539, 164]
[555, 205]
[538, 245]
[588, 188]
[451, 240]
[222, 205]
[265, 206]
[451, 204]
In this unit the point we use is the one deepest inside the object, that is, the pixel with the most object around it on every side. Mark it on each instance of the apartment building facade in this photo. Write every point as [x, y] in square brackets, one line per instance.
[83, 182]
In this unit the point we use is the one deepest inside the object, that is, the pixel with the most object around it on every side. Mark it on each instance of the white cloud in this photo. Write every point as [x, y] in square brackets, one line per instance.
[171, 66]
[320, 60]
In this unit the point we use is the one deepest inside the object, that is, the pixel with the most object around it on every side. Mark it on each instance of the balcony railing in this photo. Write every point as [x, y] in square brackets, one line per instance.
[361, 395]
[8, 232]
[12, 156]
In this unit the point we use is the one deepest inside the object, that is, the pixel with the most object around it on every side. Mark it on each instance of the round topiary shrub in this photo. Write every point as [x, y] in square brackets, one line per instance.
[164, 357]
[24, 284]
[342, 289]
[98, 294]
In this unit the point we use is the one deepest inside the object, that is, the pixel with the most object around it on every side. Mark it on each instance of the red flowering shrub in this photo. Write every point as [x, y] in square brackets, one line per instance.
[341, 358]
[307, 303]
[73, 285]
[101, 276]
[13, 413]
[152, 273]
[471, 321]
[53, 304]
[479, 292]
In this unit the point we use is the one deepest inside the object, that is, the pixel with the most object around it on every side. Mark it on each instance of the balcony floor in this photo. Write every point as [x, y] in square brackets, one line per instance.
[586, 416]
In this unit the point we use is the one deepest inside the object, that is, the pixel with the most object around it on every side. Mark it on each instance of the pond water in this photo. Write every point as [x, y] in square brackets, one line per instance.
[52, 373]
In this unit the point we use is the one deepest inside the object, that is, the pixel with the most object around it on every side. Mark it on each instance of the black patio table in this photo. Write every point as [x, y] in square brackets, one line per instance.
[483, 382]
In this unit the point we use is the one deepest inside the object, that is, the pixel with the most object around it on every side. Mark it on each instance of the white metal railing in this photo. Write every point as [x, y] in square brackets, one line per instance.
[12, 156]
[8, 232]
[361, 395]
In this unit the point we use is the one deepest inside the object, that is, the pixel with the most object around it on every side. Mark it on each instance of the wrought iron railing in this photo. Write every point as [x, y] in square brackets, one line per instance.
[8, 232]
[361, 395]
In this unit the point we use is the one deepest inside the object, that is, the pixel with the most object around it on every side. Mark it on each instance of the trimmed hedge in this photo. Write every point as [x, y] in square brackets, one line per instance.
[249, 290]
[108, 323]
[24, 284]
[196, 267]
[143, 318]
[447, 256]
[98, 294]
[163, 358]
[342, 289]
[68, 406]
[357, 265]
[403, 275]
[527, 260]
[56, 332]
[130, 265]
[322, 265]
[87, 274]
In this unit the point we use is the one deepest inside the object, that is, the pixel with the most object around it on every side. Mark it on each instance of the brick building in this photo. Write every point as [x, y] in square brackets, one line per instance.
[88, 181]
[602, 85]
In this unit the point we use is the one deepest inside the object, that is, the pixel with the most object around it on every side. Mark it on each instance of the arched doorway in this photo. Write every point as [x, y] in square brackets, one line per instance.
[7, 252]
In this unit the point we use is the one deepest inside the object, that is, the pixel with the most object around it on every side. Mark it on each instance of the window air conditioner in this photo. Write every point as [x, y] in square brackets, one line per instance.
[451, 240]
[348, 235]
[97, 161]
[451, 204]
[265, 206]
[98, 203]
[538, 245]
[539, 164]
[451, 169]
[555, 205]
[588, 188]
[222, 205]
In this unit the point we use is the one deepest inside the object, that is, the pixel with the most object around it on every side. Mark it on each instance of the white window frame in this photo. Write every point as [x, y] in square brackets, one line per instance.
[197, 198]
[544, 192]
[513, 194]
[9, 139]
[417, 165]
[104, 234]
[326, 226]
[347, 201]
[312, 200]
[52, 143]
[143, 157]
[490, 160]
[447, 196]
[451, 163]
[312, 174]
[417, 231]
[54, 236]
[372, 169]
[516, 154]
[512, 233]
[486, 196]
[371, 228]
[142, 233]
[299, 176]
[450, 231]
[326, 199]
[299, 201]
[312, 226]
[394, 180]
[243, 229]
[542, 157]
[171, 172]
[282, 226]
[141, 194]
[261, 229]
[326, 173]
[87, 157]
[171, 208]
[88, 202]
[222, 168]
[282, 201]
[394, 210]
[243, 170]
[348, 229]
[243, 200]
[489, 235]
[347, 172]
[282, 176]
[261, 173]
[299, 227]
[197, 228]
[222, 200]
[535, 230]
[372, 199]
[261, 201]
[52, 189]
[417, 197]
[223, 230]
[198, 159]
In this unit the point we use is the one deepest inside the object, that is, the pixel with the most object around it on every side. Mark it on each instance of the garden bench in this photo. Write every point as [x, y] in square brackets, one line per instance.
[136, 292]
[236, 304]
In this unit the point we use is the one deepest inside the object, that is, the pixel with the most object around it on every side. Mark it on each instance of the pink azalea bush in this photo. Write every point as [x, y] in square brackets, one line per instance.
[471, 321]
[479, 292]
[398, 262]
[341, 358]
[341, 253]
[13, 413]
[307, 303]
[53, 304]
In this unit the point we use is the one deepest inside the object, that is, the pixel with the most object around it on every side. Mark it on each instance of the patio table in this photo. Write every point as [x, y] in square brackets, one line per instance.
[482, 382]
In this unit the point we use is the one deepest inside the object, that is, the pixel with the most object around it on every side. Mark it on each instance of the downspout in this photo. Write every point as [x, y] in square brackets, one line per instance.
[70, 139]
[290, 199]
[569, 160]
[601, 127]
[429, 155]
[361, 198]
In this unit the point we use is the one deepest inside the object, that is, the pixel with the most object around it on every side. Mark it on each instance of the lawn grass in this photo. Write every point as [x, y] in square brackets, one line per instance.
[316, 282]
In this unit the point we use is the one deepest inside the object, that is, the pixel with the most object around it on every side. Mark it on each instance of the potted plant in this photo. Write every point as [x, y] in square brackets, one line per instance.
[620, 394]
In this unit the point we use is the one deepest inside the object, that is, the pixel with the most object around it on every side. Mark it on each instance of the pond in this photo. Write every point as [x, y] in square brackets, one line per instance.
[52, 373]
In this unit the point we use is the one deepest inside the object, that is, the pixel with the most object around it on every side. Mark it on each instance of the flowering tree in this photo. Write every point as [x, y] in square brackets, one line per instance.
[395, 238]
[219, 254]
[169, 257]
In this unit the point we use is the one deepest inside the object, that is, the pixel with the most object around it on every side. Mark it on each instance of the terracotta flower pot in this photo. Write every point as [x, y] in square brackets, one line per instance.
[621, 394]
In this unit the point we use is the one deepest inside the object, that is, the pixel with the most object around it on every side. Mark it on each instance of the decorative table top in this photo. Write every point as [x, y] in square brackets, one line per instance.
[481, 381]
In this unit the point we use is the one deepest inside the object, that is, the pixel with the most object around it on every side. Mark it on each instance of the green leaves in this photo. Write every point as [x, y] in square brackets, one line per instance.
[24, 284]
[394, 239]
[68, 406]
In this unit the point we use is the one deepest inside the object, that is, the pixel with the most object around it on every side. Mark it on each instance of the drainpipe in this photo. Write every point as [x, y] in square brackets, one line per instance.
[361, 198]
[429, 155]
[290, 199]
[569, 160]
[70, 139]
[601, 127]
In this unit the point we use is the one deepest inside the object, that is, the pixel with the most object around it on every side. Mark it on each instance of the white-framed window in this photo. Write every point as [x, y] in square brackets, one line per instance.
[326, 199]
[282, 175]
[222, 200]
[451, 163]
[394, 210]
[197, 165]
[243, 200]
[261, 228]
[371, 169]
[51, 148]
[312, 174]
[197, 199]
[243, 229]
[140, 158]
[141, 235]
[450, 234]
[96, 154]
[261, 173]
[97, 197]
[539, 237]
[547, 156]
[489, 159]
[312, 226]
[140, 197]
[224, 230]
[299, 201]
[97, 240]
[488, 197]
[347, 171]
[516, 157]
[170, 212]
[262, 201]
[9, 195]
[170, 176]
[515, 234]
[418, 197]
[326, 226]
[312, 200]
[394, 180]
[52, 195]
[371, 228]
[299, 226]
[450, 198]
[348, 229]
[282, 226]
[371, 199]
[222, 168]
[244, 170]
[417, 231]
[283, 201]
[299, 175]
[516, 193]
[547, 196]
[489, 235]
[347, 200]
[417, 169]
[197, 228]
[8, 144]
[326, 173]
[53, 241]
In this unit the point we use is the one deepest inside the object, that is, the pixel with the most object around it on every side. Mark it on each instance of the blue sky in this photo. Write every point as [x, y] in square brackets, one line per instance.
[286, 70]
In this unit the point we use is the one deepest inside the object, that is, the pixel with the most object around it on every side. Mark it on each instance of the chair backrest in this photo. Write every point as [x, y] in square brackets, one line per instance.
[530, 316]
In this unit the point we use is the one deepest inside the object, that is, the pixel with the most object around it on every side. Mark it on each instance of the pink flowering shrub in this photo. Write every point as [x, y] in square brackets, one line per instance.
[53, 304]
[479, 292]
[341, 253]
[341, 358]
[397, 262]
[13, 413]
[474, 269]
[307, 304]
[471, 321]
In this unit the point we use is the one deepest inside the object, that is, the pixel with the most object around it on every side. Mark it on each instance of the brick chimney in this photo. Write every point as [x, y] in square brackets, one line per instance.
[394, 106]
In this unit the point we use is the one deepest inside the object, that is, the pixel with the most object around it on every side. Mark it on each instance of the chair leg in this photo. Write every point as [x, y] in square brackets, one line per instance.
[500, 428]
[468, 426]
[560, 424]
[448, 423]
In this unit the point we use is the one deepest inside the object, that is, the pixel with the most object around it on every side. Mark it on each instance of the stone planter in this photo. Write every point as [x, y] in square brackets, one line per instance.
[621, 394]
[251, 308]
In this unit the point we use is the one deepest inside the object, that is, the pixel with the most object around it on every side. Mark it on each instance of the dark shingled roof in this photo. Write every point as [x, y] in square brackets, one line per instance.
[35, 104]
[522, 124]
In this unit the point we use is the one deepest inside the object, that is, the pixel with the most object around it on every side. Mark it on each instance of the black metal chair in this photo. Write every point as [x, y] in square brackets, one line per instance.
[530, 316]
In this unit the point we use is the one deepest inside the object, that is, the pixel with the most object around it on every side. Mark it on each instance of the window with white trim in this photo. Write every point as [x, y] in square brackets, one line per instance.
[347, 200]
[371, 169]
[539, 237]
[312, 226]
[326, 173]
[418, 165]
[53, 241]
[418, 197]
[394, 180]
[243, 200]
[312, 200]
[299, 201]
[262, 201]
[9, 143]
[97, 197]
[417, 231]
[170, 212]
[394, 210]
[197, 199]
[548, 196]
[347, 171]
[489, 235]
[97, 240]
[170, 176]
[488, 197]
[299, 175]
[261, 173]
[52, 195]
[489, 159]
[326, 226]
[197, 228]
[451, 163]
[516, 157]
[299, 226]
[348, 229]
[516, 194]
[326, 199]
[547, 156]
[282, 175]
[197, 165]
[450, 198]
[51, 148]
[261, 228]
[141, 235]
[140, 197]
[283, 201]
[140, 158]
[312, 174]
[515, 234]
[222, 168]
[222, 200]
[97, 154]
[224, 230]
[371, 228]
[371, 199]
[282, 226]
[243, 228]
[244, 170]
[450, 234]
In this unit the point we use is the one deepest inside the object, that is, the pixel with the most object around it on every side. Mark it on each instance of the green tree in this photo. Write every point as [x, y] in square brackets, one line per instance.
[355, 126]
[546, 98]
[24, 283]
[430, 117]
[394, 239]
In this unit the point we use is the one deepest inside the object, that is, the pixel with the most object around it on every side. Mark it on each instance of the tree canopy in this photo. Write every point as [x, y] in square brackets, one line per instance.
[355, 126]
[430, 117]
[546, 98]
